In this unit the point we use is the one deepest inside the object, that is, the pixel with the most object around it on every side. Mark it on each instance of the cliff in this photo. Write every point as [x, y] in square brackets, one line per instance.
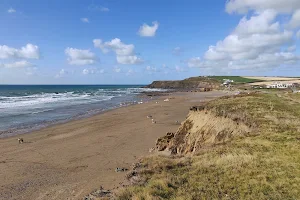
[202, 129]
[187, 84]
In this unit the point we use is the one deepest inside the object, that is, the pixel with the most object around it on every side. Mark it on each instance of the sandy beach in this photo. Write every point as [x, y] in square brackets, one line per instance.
[70, 160]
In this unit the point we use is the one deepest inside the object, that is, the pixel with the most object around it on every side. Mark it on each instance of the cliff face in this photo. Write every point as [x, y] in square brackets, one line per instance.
[190, 83]
[201, 129]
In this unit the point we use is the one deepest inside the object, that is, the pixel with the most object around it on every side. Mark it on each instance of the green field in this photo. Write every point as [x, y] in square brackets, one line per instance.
[236, 79]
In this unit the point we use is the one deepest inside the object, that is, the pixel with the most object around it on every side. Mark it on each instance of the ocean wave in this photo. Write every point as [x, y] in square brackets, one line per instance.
[50, 99]
[131, 90]
[41, 111]
[32, 105]
[139, 90]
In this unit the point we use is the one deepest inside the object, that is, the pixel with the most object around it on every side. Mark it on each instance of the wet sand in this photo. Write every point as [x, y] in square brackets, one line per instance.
[68, 161]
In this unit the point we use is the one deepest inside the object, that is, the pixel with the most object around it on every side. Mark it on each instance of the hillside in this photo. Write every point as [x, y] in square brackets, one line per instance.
[211, 82]
[236, 79]
[241, 147]
[189, 83]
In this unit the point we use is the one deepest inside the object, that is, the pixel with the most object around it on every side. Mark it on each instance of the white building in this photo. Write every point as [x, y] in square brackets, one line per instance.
[280, 85]
[227, 81]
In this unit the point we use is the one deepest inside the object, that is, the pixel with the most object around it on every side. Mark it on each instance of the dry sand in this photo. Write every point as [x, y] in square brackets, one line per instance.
[70, 160]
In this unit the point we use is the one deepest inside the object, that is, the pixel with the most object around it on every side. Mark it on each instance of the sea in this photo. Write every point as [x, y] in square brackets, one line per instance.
[24, 108]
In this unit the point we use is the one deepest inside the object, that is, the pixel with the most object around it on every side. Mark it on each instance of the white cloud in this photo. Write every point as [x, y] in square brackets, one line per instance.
[31, 71]
[17, 64]
[252, 44]
[243, 6]
[85, 20]
[129, 60]
[295, 20]
[236, 47]
[265, 61]
[149, 68]
[258, 24]
[103, 9]
[117, 69]
[298, 34]
[148, 31]
[251, 38]
[130, 72]
[116, 45]
[80, 57]
[291, 48]
[152, 70]
[99, 8]
[85, 71]
[259, 41]
[180, 69]
[30, 51]
[124, 52]
[92, 71]
[177, 51]
[61, 73]
[195, 62]
[11, 10]
[213, 54]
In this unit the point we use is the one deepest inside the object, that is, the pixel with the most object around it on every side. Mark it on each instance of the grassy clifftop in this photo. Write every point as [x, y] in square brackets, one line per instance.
[236, 79]
[242, 147]
[189, 83]
[200, 82]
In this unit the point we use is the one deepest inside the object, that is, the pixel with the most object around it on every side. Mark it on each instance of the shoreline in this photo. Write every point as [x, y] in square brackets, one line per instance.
[72, 159]
[12, 132]
[20, 131]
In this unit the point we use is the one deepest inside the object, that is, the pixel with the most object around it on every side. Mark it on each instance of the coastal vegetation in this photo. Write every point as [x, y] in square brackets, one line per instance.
[241, 147]
[187, 84]
[236, 79]
[200, 82]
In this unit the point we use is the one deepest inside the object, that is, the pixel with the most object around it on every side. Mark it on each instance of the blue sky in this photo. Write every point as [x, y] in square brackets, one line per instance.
[53, 42]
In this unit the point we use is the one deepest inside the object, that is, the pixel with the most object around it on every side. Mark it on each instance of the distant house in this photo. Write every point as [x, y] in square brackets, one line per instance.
[227, 82]
[280, 85]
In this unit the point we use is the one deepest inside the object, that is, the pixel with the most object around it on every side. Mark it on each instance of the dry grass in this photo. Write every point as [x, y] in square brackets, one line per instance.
[205, 130]
[265, 165]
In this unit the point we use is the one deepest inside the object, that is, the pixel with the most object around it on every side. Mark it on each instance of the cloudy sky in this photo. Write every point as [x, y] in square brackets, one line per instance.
[136, 42]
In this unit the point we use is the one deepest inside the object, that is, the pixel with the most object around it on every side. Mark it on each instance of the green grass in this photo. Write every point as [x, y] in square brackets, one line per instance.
[236, 79]
[264, 165]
